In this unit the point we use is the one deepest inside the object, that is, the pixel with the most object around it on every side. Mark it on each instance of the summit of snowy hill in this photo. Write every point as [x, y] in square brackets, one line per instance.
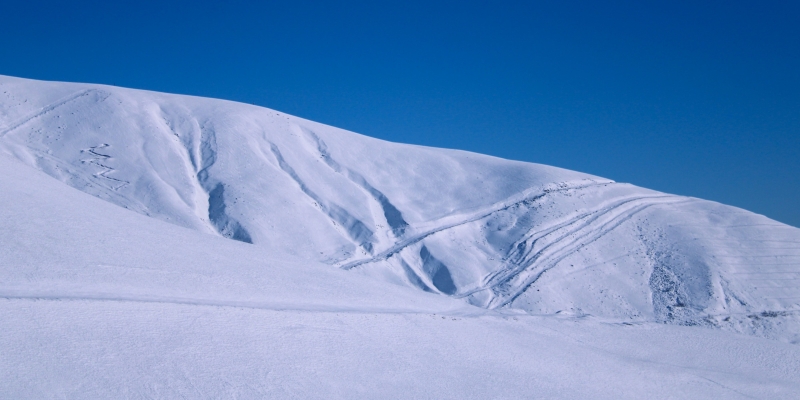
[214, 249]
[494, 233]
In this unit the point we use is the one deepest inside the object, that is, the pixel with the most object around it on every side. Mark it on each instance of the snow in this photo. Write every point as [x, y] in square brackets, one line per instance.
[89, 349]
[59, 243]
[358, 267]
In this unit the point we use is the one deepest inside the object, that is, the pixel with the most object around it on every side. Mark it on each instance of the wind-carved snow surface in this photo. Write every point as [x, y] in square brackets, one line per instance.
[356, 265]
[498, 234]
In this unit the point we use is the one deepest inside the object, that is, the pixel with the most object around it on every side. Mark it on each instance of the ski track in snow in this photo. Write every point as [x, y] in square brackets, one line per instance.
[11, 294]
[44, 110]
[525, 269]
[98, 160]
[445, 223]
[524, 264]
[49, 295]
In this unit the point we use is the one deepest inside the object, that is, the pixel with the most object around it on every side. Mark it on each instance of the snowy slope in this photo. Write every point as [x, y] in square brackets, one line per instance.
[100, 302]
[59, 243]
[495, 233]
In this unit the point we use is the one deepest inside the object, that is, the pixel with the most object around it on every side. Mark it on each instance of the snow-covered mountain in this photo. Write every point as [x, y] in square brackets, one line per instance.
[390, 236]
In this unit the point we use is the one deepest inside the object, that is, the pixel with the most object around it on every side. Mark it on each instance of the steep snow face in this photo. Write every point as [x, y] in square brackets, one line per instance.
[495, 233]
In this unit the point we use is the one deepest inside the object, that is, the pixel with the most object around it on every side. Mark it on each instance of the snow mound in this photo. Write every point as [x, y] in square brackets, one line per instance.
[497, 234]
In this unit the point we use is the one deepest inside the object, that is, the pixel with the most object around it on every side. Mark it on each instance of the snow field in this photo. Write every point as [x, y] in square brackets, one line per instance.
[360, 268]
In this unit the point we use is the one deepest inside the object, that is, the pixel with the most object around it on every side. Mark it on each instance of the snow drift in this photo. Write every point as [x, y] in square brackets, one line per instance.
[498, 234]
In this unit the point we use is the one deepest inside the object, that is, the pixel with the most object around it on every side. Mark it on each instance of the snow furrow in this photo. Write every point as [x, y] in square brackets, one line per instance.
[224, 223]
[393, 216]
[353, 228]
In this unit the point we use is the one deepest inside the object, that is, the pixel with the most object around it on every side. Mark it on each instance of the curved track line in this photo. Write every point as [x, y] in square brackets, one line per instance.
[187, 301]
[519, 256]
[549, 256]
[44, 110]
[399, 246]
[520, 252]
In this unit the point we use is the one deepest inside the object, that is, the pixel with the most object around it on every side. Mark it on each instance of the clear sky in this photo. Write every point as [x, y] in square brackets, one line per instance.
[700, 98]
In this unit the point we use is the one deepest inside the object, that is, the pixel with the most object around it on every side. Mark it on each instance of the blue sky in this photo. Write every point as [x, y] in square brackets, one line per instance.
[694, 98]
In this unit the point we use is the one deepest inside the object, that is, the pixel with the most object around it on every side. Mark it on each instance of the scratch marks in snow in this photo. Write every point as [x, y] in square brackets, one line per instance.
[539, 251]
[535, 254]
[449, 222]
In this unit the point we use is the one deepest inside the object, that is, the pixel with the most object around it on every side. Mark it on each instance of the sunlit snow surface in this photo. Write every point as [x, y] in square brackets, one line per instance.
[367, 262]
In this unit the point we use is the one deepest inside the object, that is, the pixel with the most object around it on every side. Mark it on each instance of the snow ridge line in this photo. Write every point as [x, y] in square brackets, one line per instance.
[527, 198]
[519, 280]
[98, 159]
[44, 110]
[11, 294]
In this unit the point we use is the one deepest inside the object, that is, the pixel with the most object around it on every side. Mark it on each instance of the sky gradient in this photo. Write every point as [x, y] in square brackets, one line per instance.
[693, 99]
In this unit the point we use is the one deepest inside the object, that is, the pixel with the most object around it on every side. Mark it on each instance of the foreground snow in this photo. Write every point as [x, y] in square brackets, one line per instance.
[91, 349]
[459, 275]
